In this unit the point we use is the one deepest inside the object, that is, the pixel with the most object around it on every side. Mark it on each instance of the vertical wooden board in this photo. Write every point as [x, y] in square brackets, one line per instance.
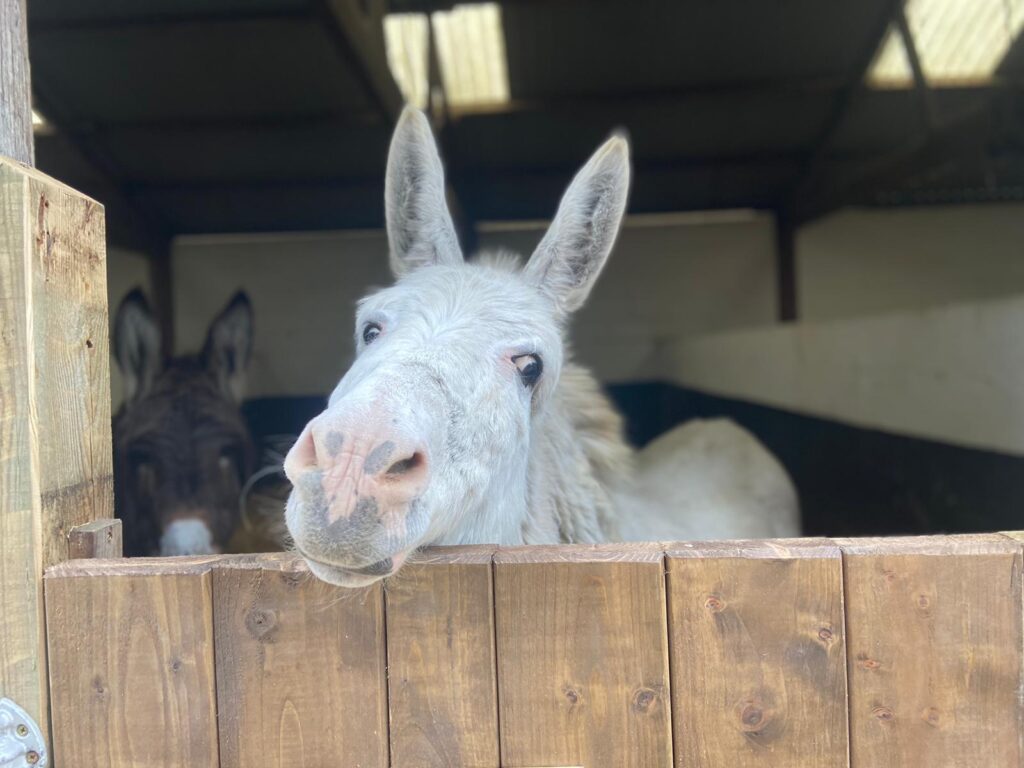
[131, 665]
[55, 461]
[934, 648]
[758, 654]
[582, 649]
[300, 669]
[72, 361]
[441, 667]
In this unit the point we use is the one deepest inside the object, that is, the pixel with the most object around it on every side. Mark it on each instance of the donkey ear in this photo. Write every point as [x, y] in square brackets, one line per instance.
[574, 249]
[229, 346]
[137, 345]
[420, 229]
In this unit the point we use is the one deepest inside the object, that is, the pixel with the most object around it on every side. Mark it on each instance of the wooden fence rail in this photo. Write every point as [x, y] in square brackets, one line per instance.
[871, 652]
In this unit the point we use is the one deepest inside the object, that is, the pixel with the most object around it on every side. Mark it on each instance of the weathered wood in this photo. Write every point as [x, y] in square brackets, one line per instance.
[758, 654]
[15, 83]
[55, 455]
[582, 657]
[300, 668]
[441, 667]
[934, 646]
[131, 669]
[98, 539]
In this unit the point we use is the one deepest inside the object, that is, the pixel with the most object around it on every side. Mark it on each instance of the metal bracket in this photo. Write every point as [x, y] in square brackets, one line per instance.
[21, 742]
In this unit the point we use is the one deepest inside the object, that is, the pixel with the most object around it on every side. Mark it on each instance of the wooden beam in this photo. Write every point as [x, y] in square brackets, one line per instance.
[785, 267]
[55, 448]
[842, 105]
[921, 89]
[99, 539]
[357, 27]
[15, 88]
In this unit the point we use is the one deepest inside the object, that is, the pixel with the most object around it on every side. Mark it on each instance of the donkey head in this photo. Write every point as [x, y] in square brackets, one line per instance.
[182, 449]
[426, 439]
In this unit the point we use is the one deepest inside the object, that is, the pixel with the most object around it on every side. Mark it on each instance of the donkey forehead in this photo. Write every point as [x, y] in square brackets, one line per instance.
[496, 300]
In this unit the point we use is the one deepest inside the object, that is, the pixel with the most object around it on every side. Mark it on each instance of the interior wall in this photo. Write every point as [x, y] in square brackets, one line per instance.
[952, 373]
[667, 278]
[865, 261]
[126, 270]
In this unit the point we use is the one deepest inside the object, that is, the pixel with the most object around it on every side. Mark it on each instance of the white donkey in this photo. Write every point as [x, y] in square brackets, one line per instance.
[462, 419]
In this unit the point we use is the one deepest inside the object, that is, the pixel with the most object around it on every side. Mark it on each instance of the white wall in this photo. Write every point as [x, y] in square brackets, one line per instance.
[953, 373]
[864, 261]
[125, 270]
[668, 277]
[303, 287]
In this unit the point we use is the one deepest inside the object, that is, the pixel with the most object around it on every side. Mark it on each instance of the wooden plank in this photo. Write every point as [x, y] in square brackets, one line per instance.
[758, 654]
[934, 637]
[55, 455]
[441, 668]
[131, 669]
[300, 668]
[15, 85]
[582, 652]
[98, 539]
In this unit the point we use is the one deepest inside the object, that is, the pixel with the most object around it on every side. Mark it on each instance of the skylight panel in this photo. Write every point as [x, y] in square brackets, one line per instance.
[471, 56]
[406, 42]
[959, 43]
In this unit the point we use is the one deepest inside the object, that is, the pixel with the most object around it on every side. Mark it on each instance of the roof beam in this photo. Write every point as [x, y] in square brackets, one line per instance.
[921, 89]
[15, 84]
[357, 29]
[841, 106]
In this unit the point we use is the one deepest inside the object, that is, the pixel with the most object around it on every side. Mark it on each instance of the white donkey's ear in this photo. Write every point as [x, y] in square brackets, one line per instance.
[570, 257]
[420, 229]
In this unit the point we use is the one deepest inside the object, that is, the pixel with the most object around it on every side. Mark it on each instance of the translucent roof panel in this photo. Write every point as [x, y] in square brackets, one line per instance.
[959, 42]
[470, 51]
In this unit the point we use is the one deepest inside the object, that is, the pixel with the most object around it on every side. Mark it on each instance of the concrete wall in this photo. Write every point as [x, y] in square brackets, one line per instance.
[952, 373]
[861, 262]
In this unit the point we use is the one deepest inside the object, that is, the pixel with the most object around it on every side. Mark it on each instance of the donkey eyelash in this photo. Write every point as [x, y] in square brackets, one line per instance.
[370, 332]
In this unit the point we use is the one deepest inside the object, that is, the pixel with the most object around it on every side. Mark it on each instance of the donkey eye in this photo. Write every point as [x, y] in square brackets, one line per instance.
[530, 367]
[370, 332]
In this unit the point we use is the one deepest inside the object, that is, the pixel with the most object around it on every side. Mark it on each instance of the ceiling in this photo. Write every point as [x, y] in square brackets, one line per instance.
[194, 116]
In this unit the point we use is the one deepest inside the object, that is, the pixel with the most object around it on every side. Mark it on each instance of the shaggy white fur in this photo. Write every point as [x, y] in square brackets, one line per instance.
[518, 459]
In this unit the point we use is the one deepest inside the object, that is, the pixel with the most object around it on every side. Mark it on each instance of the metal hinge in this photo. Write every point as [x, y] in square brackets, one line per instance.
[21, 741]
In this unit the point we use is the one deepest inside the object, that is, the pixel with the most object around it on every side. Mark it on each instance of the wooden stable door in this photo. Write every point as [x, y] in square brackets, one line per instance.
[780, 654]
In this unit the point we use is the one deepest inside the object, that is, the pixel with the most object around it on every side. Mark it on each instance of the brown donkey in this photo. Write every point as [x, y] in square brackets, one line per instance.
[182, 449]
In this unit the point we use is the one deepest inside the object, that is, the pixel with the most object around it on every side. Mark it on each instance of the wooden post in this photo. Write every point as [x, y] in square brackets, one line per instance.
[15, 91]
[55, 451]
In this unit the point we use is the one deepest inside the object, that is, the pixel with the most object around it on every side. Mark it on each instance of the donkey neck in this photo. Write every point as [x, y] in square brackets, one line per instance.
[577, 459]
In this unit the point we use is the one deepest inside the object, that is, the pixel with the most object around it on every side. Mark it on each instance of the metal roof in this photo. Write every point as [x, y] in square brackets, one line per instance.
[190, 116]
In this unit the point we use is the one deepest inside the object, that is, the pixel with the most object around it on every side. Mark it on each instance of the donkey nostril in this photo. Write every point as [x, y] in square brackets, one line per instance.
[405, 466]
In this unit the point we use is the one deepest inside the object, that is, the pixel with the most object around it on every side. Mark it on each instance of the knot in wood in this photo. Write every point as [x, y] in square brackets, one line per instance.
[714, 604]
[825, 634]
[571, 695]
[883, 714]
[643, 700]
[864, 662]
[752, 716]
[260, 622]
[932, 716]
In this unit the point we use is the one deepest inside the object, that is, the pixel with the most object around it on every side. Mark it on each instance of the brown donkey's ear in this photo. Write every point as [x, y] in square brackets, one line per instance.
[137, 345]
[229, 346]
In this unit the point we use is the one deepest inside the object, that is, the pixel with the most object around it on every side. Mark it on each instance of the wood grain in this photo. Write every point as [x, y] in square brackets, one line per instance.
[758, 654]
[934, 636]
[441, 667]
[15, 85]
[583, 660]
[98, 539]
[55, 456]
[131, 670]
[300, 669]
